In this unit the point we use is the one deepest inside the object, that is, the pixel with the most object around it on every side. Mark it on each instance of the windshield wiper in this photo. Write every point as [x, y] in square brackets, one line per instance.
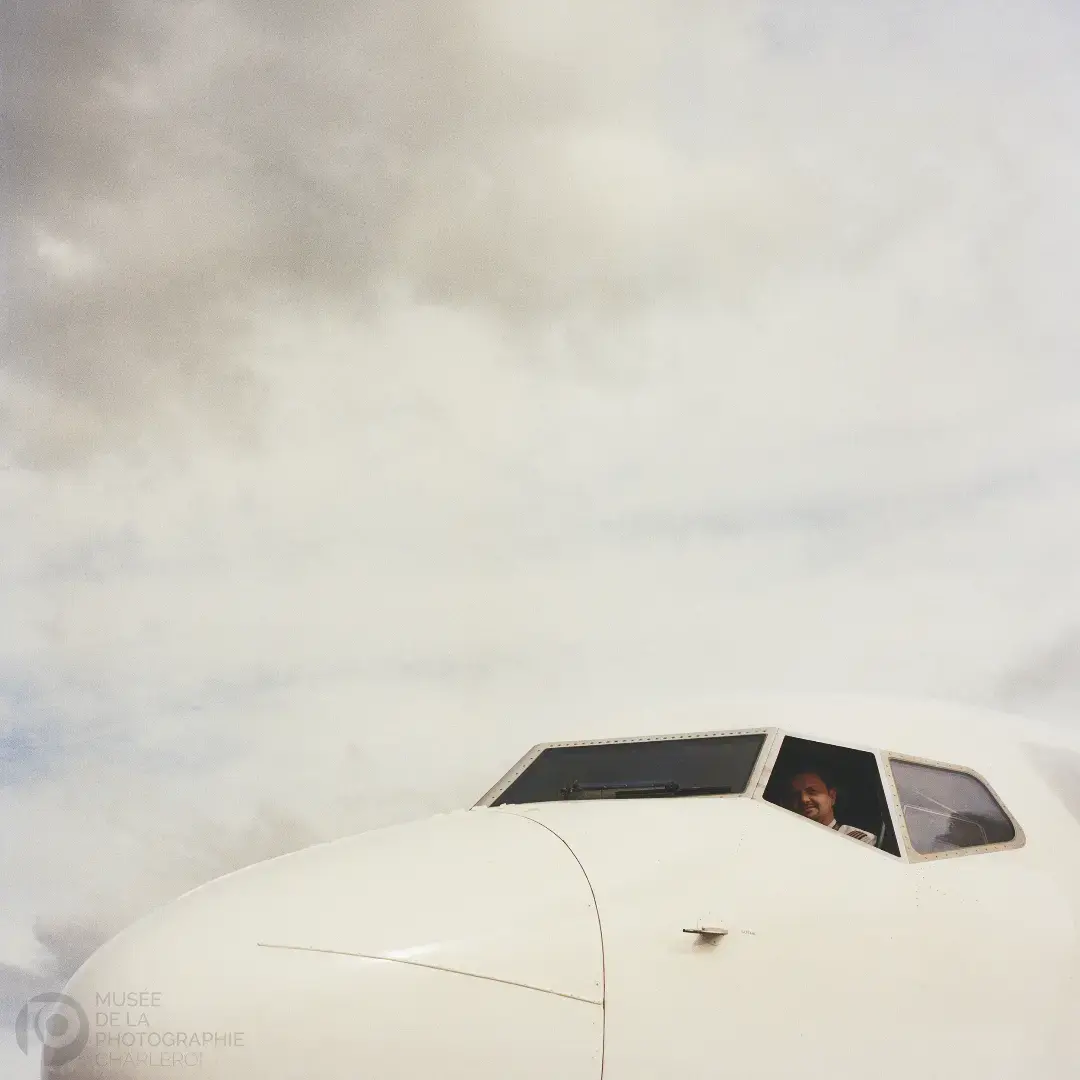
[636, 789]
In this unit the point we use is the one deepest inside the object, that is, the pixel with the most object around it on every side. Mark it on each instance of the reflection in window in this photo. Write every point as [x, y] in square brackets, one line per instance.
[946, 810]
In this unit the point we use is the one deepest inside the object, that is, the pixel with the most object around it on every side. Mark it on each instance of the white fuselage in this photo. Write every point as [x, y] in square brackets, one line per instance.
[550, 939]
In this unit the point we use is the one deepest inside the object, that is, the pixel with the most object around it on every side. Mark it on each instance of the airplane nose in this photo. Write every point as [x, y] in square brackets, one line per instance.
[467, 945]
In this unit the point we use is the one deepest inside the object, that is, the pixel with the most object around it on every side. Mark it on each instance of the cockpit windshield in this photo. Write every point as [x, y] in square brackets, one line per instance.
[942, 809]
[631, 768]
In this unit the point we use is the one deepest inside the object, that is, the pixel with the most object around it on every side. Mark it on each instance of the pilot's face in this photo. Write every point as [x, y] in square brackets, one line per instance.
[811, 798]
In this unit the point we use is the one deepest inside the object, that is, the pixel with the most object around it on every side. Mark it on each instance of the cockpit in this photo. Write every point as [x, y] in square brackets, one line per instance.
[904, 806]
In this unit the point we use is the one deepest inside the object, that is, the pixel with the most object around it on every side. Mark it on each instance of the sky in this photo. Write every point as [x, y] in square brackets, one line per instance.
[386, 388]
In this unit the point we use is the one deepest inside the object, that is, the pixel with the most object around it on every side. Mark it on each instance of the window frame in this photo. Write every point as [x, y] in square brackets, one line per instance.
[1019, 839]
[765, 754]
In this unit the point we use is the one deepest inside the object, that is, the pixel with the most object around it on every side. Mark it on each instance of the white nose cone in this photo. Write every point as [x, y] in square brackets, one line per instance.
[467, 945]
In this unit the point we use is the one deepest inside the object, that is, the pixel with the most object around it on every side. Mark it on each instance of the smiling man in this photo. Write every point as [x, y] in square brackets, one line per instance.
[813, 795]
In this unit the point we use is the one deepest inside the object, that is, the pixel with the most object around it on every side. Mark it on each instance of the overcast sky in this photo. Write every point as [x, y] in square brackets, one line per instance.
[388, 387]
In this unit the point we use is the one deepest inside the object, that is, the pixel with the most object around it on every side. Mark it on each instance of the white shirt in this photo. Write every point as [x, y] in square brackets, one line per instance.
[858, 834]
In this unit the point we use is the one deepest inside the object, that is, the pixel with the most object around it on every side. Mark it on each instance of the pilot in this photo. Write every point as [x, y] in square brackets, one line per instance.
[814, 796]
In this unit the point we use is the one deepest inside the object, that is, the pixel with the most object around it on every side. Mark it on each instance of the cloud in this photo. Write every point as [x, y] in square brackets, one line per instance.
[174, 170]
[390, 388]
[1049, 677]
[173, 167]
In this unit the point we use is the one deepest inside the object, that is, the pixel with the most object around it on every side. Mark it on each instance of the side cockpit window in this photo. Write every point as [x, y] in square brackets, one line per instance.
[947, 810]
[836, 786]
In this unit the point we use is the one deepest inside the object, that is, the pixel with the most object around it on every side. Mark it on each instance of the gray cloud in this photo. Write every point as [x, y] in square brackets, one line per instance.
[173, 166]
[1049, 678]
[177, 168]
[17, 986]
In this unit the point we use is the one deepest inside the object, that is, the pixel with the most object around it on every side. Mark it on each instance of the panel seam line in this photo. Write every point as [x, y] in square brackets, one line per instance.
[428, 967]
